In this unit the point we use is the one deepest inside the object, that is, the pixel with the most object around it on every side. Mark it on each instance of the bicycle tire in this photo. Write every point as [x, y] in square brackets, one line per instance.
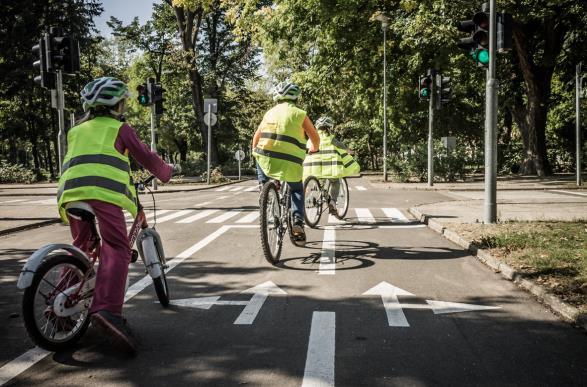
[160, 284]
[28, 305]
[312, 186]
[269, 204]
[153, 257]
[341, 211]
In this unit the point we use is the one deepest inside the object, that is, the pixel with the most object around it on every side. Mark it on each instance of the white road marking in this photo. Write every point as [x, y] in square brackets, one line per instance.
[361, 188]
[204, 302]
[260, 294]
[204, 203]
[250, 189]
[364, 215]
[25, 361]
[406, 226]
[443, 307]
[43, 201]
[224, 217]
[223, 197]
[334, 220]
[175, 215]
[158, 212]
[222, 188]
[249, 218]
[197, 216]
[570, 192]
[236, 188]
[319, 369]
[393, 309]
[14, 201]
[328, 257]
[395, 215]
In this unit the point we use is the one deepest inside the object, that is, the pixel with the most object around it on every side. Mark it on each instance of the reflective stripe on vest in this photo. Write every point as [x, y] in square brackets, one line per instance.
[96, 181]
[280, 151]
[331, 162]
[96, 159]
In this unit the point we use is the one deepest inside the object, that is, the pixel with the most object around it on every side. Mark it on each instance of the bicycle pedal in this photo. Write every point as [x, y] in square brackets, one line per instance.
[134, 255]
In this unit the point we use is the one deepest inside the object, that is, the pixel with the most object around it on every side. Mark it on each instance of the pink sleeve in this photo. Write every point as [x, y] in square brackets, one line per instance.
[129, 140]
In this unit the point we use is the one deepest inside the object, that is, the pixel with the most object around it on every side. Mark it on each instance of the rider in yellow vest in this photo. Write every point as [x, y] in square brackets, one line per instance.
[332, 162]
[279, 146]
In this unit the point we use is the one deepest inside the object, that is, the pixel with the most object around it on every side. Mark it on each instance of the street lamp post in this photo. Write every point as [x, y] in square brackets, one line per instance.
[384, 24]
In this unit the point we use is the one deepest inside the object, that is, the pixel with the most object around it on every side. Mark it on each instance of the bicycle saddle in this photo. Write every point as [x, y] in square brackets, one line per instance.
[80, 210]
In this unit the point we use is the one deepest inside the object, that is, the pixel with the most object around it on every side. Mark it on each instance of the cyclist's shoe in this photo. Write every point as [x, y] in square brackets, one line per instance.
[298, 232]
[332, 207]
[116, 330]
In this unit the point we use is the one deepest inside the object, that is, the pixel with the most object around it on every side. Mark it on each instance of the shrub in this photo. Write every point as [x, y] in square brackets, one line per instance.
[216, 176]
[16, 173]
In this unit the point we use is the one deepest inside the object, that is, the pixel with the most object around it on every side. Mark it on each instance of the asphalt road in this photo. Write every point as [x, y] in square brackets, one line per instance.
[400, 306]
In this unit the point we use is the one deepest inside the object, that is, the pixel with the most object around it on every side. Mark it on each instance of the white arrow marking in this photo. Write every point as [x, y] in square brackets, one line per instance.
[443, 307]
[319, 369]
[393, 309]
[205, 302]
[260, 294]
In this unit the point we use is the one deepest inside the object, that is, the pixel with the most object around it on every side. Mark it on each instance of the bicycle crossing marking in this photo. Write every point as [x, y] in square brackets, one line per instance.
[158, 212]
[319, 368]
[235, 189]
[395, 215]
[334, 220]
[223, 188]
[174, 215]
[328, 257]
[42, 201]
[14, 201]
[249, 218]
[224, 217]
[361, 188]
[197, 216]
[250, 189]
[364, 215]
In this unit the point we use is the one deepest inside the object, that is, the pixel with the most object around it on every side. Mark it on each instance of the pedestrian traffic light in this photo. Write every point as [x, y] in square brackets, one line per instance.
[45, 78]
[478, 42]
[143, 95]
[424, 87]
[64, 50]
[157, 97]
[444, 90]
[504, 32]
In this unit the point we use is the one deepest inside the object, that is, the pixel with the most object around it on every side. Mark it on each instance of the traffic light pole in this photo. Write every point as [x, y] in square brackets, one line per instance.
[60, 106]
[209, 146]
[153, 138]
[578, 124]
[431, 129]
[384, 104]
[491, 124]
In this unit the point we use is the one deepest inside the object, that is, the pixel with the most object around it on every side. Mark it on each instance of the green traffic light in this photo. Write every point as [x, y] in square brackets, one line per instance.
[425, 93]
[143, 99]
[481, 56]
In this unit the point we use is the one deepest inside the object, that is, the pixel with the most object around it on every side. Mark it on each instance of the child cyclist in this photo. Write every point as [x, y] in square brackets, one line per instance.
[332, 162]
[279, 148]
[96, 171]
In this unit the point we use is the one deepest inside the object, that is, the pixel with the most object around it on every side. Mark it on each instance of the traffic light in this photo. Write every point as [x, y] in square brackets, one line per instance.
[45, 78]
[425, 87]
[444, 90]
[157, 97]
[583, 87]
[143, 95]
[504, 32]
[478, 42]
[64, 50]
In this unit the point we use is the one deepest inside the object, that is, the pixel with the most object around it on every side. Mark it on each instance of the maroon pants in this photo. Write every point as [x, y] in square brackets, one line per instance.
[114, 255]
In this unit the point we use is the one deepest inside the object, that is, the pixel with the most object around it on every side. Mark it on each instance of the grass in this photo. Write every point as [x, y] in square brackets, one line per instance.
[552, 253]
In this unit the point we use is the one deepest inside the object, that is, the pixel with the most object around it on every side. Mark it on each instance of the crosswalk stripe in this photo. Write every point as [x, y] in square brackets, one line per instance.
[43, 201]
[222, 188]
[197, 216]
[236, 188]
[249, 218]
[361, 188]
[395, 215]
[225, 216]
[364, 215]
[175, 215]
[334, 220]
[249, 189]
[14, 201]
[159, 212]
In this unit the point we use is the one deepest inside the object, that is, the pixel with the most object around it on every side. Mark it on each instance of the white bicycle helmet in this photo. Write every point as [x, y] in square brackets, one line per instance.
[325, 122]
[105, 91]
[286, 91]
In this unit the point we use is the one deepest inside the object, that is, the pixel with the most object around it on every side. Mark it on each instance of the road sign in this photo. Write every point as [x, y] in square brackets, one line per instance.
[239, 155]
[213, 118]
[394, 309]
[210, 104]
[252, 307]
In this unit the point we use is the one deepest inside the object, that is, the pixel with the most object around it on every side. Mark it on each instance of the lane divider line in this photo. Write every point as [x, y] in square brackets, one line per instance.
[328, 257]
[319, 369]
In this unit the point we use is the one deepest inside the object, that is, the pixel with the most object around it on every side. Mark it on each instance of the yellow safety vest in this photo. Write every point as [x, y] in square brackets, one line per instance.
[281, 148]
[331, 162]
[93, 169]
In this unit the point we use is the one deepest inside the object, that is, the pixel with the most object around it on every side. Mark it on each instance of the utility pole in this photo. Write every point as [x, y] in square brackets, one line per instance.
[579, 146]
[432, 75]
[491, 124]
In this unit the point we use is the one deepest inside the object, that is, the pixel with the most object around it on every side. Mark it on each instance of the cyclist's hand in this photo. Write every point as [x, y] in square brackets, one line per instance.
[313, 149]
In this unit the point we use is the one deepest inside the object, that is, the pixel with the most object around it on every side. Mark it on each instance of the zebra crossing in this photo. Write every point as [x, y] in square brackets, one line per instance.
[367, 216]
[254, 188]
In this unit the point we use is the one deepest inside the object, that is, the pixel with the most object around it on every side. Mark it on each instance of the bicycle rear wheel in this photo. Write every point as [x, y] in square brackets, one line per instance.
[342, 200]
[271, 228]
[56, 277]
[312, 201]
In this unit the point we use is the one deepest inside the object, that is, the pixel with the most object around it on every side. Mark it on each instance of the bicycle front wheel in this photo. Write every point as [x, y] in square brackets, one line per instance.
[312, 201]
[271, 228]
[58, 276]
[342, 200]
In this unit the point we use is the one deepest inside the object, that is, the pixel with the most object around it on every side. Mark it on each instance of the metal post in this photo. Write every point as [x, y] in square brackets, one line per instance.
[491, 124]
[153, 138]
[578, 124]
[431, 129]
[61, 140]
[209, 146]
[384, 101]
[239, 166]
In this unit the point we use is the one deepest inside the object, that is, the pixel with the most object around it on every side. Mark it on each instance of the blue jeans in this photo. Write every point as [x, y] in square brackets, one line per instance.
[297, 193]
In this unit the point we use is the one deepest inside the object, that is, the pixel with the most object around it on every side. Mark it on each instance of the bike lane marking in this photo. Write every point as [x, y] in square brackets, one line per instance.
[328, 257]
[319, 369]
[569, 192]
[31, 357]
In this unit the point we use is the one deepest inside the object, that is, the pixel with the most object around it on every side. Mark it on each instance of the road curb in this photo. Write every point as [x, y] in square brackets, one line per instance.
[561, 308]
[28, 227]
